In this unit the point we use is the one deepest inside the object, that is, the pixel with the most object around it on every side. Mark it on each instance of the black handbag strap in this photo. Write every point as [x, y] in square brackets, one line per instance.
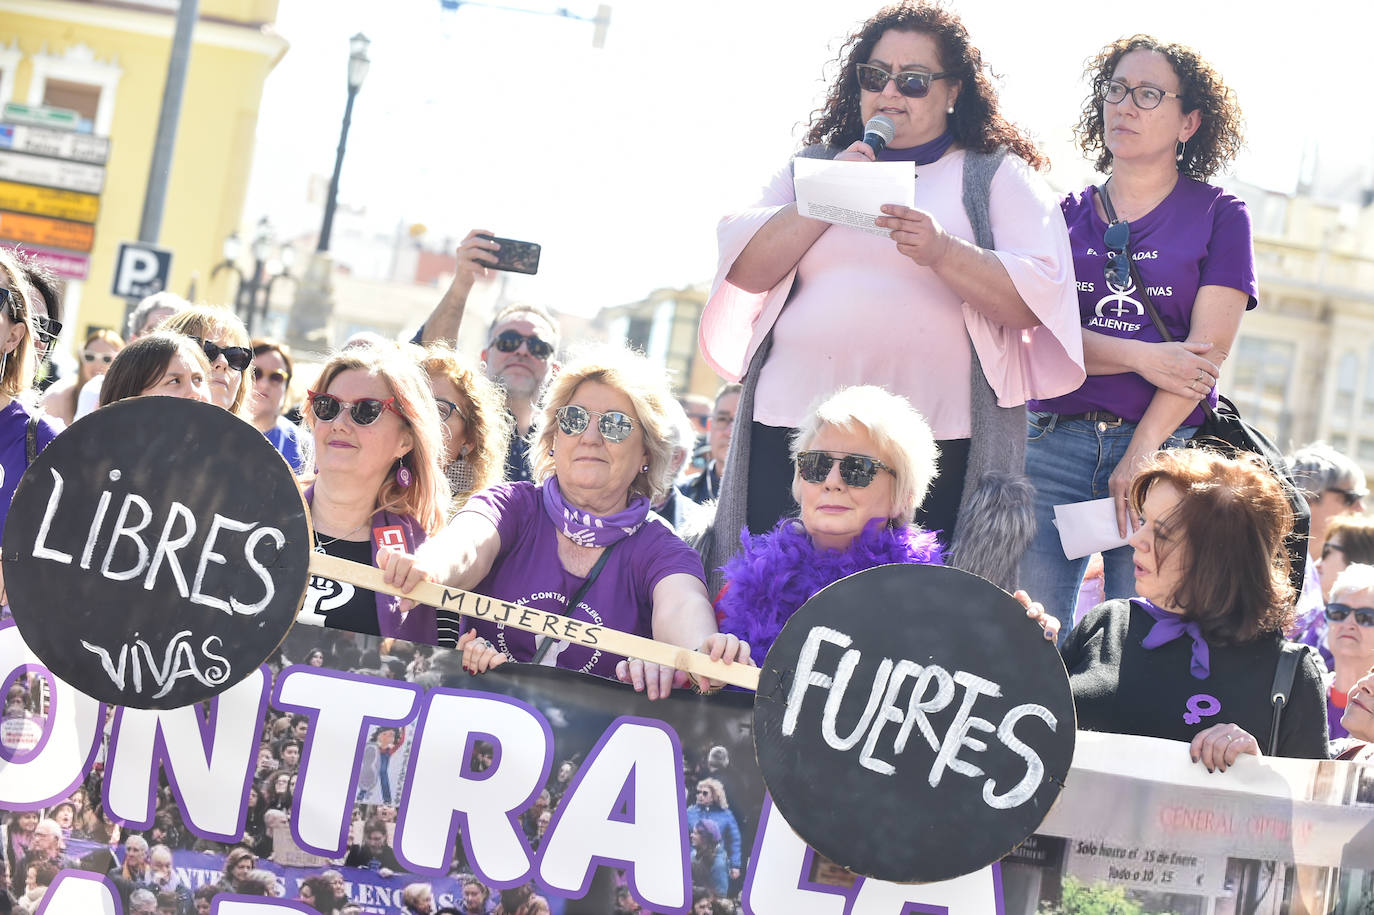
[1283, 686]
[580, 593]
[1141, 291]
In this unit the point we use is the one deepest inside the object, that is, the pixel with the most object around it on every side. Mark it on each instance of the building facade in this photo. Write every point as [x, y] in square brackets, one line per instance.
[107, 61]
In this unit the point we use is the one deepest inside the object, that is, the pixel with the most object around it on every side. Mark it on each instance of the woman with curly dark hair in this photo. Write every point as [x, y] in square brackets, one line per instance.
[916, 301]
[1161, 122]
[1193, 657]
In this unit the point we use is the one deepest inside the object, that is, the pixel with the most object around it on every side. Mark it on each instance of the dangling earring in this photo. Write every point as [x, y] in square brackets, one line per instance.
[403, 475]
[1182, 147]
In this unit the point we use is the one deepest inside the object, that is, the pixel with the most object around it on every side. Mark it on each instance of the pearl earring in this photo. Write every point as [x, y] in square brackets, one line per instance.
[1182, 147]
[644, 469]
[949, 110]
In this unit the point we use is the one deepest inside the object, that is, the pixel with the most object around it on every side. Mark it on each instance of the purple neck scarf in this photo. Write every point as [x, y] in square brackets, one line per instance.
[585, 529]
[924, 154]
[1169, 626]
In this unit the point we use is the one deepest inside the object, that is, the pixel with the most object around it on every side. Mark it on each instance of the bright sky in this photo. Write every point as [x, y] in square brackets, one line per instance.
[620, 161]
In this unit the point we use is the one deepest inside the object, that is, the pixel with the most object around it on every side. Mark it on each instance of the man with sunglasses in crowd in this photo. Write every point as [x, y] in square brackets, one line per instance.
[705, 486]
[519, 357]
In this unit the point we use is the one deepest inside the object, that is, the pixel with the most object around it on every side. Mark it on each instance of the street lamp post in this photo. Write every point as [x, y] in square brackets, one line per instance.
[309, 326]
[357, 72]
[248, 304]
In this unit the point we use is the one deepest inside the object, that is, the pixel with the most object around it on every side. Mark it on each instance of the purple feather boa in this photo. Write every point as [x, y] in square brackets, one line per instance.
[778, 571]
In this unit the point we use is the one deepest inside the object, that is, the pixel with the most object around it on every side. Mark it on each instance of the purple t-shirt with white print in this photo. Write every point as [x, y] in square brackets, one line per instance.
[527, 572]
[1198, 236]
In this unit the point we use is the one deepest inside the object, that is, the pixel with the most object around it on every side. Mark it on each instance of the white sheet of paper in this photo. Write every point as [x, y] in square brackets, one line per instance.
[1087, 527]
[852, 193]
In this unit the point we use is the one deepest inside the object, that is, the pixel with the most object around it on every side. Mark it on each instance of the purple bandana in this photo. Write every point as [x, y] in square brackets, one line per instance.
[586, 529]
[924, 154]
[1169, 626]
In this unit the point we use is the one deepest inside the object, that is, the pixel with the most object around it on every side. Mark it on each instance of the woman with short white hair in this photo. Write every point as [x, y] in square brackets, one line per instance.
[1349, 638]
[864, 459]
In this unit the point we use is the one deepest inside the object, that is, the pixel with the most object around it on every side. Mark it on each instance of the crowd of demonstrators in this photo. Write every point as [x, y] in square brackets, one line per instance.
[1161, 122]
[60, 399]
[982, 326]
[143, 320]
[161, 364]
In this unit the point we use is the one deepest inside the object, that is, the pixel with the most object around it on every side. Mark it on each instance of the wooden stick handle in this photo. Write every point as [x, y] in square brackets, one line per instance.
[540, 622]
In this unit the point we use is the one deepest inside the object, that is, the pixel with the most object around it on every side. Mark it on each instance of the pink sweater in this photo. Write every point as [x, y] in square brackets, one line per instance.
[862, 313]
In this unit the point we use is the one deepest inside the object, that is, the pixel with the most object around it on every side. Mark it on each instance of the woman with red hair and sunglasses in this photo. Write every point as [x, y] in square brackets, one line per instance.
[1161, 123]
[378, 487]
[963, 302]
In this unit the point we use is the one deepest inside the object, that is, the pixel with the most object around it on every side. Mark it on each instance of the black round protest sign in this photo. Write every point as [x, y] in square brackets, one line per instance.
[912, 724]
[156, 552]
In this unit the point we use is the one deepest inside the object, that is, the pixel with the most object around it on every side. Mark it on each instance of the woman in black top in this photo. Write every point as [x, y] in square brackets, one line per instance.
[1193, 657]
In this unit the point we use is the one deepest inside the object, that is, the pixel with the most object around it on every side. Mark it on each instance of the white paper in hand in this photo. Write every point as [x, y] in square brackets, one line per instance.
[1087, 527]
[852, 193]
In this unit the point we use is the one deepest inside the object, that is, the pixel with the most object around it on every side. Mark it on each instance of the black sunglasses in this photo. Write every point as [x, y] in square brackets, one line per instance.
[911, 83]
[1117, 270]
[238, 357]
[47, 328]
[1351, 496]
[613, 425]
[856, 470]
[508, 341]
[447, 408]
[364, 412]
[1337, 612]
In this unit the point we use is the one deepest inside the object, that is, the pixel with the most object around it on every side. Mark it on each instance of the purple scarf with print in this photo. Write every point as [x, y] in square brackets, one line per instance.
[586, 529]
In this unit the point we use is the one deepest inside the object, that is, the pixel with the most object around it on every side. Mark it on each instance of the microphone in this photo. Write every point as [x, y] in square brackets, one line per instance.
[878, 132]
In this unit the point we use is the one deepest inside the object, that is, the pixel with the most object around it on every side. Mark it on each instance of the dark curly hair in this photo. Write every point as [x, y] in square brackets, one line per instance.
[1218, 138]
[976, 124]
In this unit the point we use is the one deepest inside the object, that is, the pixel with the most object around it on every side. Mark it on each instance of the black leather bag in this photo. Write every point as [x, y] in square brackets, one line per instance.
[1224, 430]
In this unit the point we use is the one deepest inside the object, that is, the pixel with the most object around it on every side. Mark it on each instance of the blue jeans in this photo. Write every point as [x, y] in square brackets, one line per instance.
[1071, 461]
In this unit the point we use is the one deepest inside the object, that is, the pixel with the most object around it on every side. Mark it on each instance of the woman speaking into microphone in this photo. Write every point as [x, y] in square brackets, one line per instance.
[979, 267]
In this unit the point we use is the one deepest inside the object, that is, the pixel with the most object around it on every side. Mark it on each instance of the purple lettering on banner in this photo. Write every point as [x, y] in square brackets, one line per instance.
[226, 744]
[234, 904]
[79, 893]
[1201, 706]
[341, 707]
[70, 741]
[21, 755]
[777, 884]
[635, 766]
[486, 811]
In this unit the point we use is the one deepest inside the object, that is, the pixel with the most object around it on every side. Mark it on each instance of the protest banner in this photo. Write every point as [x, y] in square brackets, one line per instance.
[1136, 820]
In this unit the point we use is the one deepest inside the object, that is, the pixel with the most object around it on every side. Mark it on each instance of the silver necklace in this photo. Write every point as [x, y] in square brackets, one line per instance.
[321, 542]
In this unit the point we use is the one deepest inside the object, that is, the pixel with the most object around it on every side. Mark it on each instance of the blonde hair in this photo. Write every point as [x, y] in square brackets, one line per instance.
[718, 789]
[900, 435]
[483, 407]
[19, 363]
[645, 384]
[426, 499]
[211, 322]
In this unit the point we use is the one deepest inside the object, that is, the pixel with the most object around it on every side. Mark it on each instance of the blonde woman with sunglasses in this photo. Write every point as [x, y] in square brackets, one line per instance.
[581, 541]
[96, 355]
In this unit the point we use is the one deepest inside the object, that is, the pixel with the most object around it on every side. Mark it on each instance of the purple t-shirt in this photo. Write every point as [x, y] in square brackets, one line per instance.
[527, 572]
[14, 429]
[1198, 236]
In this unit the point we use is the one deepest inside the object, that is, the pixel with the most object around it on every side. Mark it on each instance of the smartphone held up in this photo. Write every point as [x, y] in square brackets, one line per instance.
[514, 255]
